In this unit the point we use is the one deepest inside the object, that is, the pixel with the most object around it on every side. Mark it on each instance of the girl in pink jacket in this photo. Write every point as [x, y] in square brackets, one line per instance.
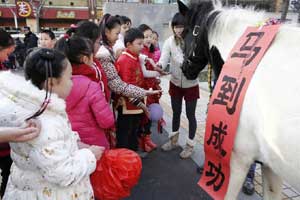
[87, 108]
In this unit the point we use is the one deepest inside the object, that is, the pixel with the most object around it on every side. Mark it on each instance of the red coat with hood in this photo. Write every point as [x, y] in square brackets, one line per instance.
[94, 73]
[89, 112]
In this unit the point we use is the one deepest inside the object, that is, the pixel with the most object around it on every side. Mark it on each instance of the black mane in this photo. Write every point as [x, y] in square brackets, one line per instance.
[200, 13]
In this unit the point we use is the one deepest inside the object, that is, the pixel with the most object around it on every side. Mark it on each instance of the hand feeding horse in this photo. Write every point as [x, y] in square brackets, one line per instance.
[269, 125]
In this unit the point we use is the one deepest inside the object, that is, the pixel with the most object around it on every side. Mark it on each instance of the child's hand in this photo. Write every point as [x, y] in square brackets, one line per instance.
[163, 73]
[34, 123]
[158, 69]
[153, 92]
[97, 151]
[29, 131]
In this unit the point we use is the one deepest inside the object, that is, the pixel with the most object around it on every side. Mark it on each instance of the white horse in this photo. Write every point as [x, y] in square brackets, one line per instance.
[269, 125]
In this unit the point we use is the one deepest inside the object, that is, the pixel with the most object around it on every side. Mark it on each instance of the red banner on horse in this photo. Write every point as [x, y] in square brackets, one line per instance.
[225, 106]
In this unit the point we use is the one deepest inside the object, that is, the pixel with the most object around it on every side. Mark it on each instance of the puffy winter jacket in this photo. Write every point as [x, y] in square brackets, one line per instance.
[173, 53]
[88, 111]
[50, 166]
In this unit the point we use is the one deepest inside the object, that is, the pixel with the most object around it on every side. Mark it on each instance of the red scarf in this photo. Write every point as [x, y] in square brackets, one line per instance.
[94, 73]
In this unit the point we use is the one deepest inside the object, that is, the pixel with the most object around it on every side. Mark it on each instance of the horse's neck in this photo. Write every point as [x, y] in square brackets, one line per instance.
[229, 25]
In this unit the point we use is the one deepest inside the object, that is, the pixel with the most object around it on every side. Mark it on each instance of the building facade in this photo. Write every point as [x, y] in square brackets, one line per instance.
[60, 14]
[54, 14]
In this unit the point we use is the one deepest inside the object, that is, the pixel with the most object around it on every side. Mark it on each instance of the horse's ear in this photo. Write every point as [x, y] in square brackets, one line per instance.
[217, 4]
[183, 9]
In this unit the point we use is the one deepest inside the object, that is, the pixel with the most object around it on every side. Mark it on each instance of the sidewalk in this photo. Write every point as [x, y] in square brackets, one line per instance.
[198, 157]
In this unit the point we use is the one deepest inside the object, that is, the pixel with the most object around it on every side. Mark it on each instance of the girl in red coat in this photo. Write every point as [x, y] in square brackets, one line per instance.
[149, 83]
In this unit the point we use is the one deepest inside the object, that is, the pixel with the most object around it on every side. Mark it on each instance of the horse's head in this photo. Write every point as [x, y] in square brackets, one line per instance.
[199, 18]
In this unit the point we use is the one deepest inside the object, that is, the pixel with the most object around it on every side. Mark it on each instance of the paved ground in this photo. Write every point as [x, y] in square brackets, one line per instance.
[166, 177]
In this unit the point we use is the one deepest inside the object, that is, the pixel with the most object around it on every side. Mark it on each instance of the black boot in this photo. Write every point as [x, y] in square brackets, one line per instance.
[248, 186]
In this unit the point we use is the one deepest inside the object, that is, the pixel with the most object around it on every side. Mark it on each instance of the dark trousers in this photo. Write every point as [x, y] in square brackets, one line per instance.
[190, 113]
[145, 129]
[5, 163]
[127, 130]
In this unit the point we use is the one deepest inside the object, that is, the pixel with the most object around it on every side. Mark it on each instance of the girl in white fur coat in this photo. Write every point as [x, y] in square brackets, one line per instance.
[50, 166]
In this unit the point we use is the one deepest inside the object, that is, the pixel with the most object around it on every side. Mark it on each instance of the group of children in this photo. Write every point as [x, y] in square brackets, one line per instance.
[76, 87]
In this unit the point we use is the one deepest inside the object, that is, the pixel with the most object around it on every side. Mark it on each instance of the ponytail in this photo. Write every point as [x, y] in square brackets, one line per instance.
[74, 48]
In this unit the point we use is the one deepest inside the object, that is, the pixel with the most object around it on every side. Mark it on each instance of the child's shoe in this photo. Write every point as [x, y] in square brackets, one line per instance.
[149, 144]
[172, 142]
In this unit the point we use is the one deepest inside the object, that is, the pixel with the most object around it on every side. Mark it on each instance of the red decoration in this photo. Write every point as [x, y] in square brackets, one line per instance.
[225, 106]
[24, 9]
[117, 172]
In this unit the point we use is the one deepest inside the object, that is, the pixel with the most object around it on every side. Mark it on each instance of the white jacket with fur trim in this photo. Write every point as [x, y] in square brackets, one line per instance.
[49, 167]
[173, 54]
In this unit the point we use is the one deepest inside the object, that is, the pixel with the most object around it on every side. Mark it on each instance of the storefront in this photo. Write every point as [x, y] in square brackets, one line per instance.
[62, 18]
[50, 17]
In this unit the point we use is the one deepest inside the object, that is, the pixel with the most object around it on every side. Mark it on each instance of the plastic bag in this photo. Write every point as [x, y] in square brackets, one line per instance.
[117, 172]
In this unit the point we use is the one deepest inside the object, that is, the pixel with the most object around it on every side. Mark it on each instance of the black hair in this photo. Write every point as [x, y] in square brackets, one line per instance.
[35, 65]
[133, 34]
[87, 29]
[70, 31]
[178, 19]
[75, 47]
[154, 32]
[40, 65]
[124, 19]
[108, 22]
[49, 33]
[144, 27]
[26, 28]
[5, 40]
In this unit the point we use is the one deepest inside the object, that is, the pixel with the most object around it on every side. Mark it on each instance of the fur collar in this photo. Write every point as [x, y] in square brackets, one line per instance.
[25, 94]
[102, 52]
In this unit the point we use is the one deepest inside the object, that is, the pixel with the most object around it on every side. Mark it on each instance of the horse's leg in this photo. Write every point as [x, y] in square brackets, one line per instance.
[238, 171]
[272, 184]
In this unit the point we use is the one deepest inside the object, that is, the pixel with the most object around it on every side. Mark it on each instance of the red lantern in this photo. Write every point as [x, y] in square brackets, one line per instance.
[117, 172]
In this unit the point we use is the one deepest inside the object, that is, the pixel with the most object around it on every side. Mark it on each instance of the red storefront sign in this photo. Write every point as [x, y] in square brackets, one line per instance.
[24, 9]
[225, 106]
[57, 13]
[52, 13]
